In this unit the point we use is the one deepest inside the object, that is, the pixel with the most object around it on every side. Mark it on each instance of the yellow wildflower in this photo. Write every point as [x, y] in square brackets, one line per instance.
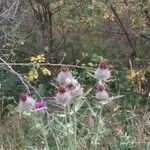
[40, 58]
[30, 78]
[33, 59]
[46, 71]
[33, 74]
[132, 75]
[141, 75]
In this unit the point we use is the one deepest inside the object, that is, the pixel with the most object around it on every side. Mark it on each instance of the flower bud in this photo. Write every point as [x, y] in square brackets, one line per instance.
[103, 72]
[74, 87]
[64, 74]
[63, 95]
[101, 93]
[26, 102]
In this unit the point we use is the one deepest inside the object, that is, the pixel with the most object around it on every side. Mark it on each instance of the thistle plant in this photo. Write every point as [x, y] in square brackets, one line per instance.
[77, 117]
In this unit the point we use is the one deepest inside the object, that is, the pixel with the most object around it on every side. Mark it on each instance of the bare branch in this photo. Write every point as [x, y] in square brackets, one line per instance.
[43, 64]
[122, 26]
[14, 72]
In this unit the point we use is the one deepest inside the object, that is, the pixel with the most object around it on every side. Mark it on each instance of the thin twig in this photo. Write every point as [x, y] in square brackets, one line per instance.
[45, 64]
[122, 26]
[14, 72]
[23, 80]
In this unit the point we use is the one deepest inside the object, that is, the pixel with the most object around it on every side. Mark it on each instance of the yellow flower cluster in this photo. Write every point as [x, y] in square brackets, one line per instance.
[33, 74]
[139, 75]
[38, 58]
[46, 71]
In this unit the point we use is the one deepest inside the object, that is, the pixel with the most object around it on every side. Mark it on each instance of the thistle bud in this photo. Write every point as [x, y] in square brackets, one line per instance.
[101, 93]
[74, 87]
[64, 74]
[26, 102]
[102, 72]
[63, 95]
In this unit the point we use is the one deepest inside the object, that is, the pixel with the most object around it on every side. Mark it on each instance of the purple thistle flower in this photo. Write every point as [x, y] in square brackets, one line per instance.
[40, 107]
[39, 104]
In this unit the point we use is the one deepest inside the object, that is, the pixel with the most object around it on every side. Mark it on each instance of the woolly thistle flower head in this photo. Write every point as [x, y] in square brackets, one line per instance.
[39, 108]
[26, 102]
[64, 74]
[74, 87]
[39, 104]
[62, 89]
[101, 92]
[63, 95]
[104, 65]
[102, 72]
[64, 68]
[23, 97]
[71, 83]
[70, 86]
[100, 88]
